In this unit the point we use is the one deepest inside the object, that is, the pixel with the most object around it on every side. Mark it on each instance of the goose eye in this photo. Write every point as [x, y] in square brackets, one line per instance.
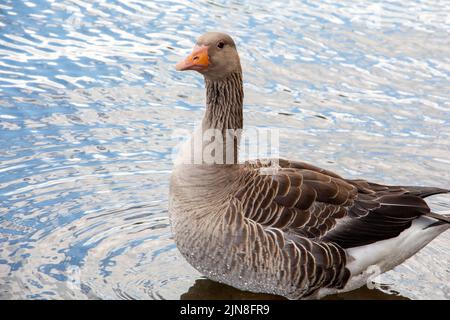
[220, 45]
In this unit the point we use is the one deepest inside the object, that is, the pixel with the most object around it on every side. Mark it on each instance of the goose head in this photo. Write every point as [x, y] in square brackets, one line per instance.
[214, 55]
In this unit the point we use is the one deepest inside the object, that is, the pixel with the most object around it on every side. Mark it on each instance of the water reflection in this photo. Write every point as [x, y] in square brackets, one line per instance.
[204, 289]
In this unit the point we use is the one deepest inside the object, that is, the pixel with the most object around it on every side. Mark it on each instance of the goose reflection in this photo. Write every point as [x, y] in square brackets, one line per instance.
[205, 289]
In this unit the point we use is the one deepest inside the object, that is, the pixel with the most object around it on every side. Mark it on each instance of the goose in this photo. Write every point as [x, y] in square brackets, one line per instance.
[281, 226]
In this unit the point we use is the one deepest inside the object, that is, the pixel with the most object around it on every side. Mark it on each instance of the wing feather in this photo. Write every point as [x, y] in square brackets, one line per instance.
[308, 216]
[303, 199]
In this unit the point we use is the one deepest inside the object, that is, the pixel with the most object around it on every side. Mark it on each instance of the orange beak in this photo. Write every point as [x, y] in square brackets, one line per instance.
[198, 60]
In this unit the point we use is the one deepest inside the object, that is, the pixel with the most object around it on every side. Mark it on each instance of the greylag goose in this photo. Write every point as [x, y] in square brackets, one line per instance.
[298, 231]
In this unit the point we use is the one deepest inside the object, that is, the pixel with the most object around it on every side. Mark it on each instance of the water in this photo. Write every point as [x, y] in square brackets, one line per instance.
[89, 100]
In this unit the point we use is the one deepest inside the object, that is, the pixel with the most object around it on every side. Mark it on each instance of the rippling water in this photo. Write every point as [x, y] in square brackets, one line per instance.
[89, 99]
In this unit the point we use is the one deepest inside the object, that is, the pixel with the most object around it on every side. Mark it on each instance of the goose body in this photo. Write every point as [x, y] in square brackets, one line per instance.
[279, 226]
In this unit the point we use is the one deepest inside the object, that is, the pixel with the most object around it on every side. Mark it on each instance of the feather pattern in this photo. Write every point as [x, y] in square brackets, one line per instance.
[289, 229]
[295, 230]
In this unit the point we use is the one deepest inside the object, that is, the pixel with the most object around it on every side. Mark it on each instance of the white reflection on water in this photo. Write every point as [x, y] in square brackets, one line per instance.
[89, 99]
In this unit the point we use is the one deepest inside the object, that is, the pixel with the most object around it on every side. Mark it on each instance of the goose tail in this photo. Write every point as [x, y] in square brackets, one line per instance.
[424, 192]
[442, 217]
